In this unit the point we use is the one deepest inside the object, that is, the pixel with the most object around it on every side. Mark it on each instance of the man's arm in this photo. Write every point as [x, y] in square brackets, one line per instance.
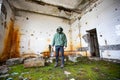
[65, 40]
[53, 41]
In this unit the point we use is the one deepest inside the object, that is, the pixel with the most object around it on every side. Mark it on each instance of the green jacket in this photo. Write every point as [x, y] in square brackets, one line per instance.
[59, 40]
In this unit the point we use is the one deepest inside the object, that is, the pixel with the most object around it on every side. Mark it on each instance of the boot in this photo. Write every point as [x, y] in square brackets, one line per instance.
[56, 64]
[62, 66]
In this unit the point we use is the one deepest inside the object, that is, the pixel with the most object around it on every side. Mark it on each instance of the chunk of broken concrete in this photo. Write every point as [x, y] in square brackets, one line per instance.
[21, 77]
[13, 61]
[3, 69]
[34, 62]
[4, 75]
[66, 73]
[14, 73]
[9, 78]
[72, 79]
[50, 60]
[72, 58]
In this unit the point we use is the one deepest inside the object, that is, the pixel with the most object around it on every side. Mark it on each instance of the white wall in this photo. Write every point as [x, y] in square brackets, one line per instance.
[106, 19]
[37, 32]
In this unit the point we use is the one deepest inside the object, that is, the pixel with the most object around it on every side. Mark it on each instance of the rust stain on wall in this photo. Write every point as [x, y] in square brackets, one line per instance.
[46, 54]
[11, 42]
[48, 40]
[15, 44]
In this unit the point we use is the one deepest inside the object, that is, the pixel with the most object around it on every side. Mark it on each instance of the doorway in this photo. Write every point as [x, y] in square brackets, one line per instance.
[93, 43]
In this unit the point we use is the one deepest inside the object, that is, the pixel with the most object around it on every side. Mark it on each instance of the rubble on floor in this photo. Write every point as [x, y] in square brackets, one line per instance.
[14, 61]
[4, 71]
[34, 62]
[4, 76]
[74, 57]
[78, 66]
[105, 59]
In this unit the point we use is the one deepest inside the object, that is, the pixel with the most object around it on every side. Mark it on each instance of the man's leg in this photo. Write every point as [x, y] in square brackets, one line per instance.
[62, 56]
[57, 55]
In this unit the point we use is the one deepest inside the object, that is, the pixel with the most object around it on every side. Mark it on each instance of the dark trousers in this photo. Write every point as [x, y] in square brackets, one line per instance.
[61, 50]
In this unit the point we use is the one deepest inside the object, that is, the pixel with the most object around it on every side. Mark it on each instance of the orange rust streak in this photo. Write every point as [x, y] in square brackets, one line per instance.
[15, 44]
[11, 43]
[46, 54]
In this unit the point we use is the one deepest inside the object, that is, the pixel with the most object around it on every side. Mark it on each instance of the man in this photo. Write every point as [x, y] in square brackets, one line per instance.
[60, 42]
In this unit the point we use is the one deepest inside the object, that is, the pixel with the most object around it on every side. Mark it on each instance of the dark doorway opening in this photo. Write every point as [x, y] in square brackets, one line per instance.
[93, 43]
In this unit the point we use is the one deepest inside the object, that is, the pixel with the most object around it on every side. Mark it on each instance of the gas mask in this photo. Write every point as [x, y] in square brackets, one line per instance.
[59, 30]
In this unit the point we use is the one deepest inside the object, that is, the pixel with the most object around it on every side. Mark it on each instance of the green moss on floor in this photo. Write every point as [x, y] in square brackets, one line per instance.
[84, 69]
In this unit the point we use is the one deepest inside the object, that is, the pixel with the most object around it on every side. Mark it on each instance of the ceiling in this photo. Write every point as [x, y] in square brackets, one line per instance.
[57, 8]
[73, 5]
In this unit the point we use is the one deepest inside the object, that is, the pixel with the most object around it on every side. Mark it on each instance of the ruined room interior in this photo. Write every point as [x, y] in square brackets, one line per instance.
[92, 28]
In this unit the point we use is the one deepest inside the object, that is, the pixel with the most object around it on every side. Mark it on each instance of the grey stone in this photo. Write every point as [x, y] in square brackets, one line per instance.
[21, 77]
[13, 61]
[34, 62]
[26, 79]
[9, 79]
[72, 58]
[14, 73]
[4, 75]
[50, 60]
[24, 73]
[3, 69]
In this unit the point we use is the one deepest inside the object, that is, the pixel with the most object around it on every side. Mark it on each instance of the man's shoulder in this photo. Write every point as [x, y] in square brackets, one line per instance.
[63, 33]
[55, 34]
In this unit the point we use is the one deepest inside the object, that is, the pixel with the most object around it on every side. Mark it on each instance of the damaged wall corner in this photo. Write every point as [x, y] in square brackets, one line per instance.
[11, 35]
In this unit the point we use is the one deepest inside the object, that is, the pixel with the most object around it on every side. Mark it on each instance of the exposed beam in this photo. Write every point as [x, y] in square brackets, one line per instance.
[59, 7]
[41, 13]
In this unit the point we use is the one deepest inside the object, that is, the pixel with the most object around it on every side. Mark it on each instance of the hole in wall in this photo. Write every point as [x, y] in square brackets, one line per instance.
[116, 9]
[100, 35]
[83, 2]
[5, 26]
[2, 23]
[32, 34]
[90, 10]
[3, 10]
[27, 18]
[95, 5]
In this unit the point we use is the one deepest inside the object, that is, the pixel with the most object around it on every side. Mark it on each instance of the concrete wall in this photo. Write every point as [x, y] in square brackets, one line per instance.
[105, 17]
[37, 31]
[6, 25]
[31, 31]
